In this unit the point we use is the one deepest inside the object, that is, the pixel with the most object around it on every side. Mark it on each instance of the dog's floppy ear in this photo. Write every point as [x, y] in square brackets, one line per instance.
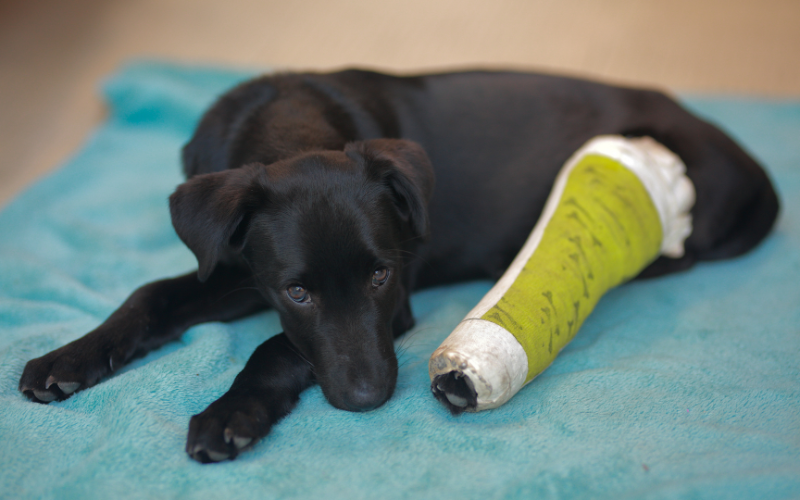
[405, 167]
[210, 212]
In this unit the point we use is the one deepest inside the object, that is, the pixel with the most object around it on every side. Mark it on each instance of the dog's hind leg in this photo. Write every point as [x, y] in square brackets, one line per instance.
[263, 393]
[152, 316]
[736, 204]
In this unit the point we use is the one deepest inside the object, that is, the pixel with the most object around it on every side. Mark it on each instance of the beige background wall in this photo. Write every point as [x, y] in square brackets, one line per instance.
[54, 52]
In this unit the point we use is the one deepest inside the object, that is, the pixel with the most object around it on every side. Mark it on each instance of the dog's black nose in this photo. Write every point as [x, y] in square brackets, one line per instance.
[365, 397]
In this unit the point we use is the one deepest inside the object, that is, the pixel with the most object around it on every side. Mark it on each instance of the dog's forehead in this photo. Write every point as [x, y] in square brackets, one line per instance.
[323, 189]
[325, 220]
[324, 242]
[312, 163]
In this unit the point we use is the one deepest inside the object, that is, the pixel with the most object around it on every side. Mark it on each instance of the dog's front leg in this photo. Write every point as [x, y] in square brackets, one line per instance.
[265, 391]
[153, 315]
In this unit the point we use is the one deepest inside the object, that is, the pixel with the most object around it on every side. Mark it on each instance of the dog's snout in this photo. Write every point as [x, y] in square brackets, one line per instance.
[356, 366]
[366, 396]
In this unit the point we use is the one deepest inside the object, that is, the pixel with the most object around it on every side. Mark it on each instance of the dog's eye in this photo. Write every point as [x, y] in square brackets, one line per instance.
[380, 276]
[297, 293]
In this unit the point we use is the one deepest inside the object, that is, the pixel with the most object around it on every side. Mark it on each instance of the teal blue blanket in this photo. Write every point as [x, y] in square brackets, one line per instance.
[686, 386]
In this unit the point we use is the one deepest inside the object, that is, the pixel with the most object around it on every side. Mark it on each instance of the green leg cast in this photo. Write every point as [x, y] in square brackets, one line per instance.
[616, 206]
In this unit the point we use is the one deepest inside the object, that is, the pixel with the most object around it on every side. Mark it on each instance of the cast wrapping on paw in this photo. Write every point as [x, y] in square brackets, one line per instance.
[616, 205]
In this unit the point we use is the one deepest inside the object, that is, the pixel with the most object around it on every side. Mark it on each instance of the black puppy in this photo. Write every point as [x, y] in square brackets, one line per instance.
[314, 194]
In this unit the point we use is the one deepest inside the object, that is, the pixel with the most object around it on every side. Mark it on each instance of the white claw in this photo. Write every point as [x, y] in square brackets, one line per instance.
[45, 396]
[228, 435]
[217, 457]
[68, 387]
[238, 441]
[241, 442]
[456, 400]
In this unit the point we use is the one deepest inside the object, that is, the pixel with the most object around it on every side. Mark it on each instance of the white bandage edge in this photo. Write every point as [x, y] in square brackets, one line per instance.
[663, 174]
[489, 356]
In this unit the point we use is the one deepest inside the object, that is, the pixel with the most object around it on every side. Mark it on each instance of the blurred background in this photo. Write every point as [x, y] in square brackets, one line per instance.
[53, 54]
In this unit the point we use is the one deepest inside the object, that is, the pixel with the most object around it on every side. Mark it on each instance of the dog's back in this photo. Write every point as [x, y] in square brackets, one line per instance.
[496, 141]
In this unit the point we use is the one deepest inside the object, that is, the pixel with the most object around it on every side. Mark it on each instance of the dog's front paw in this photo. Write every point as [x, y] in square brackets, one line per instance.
[230, 425]
[73, 367]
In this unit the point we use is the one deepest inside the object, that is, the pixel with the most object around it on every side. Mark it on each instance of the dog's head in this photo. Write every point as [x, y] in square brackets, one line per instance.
[326, 236]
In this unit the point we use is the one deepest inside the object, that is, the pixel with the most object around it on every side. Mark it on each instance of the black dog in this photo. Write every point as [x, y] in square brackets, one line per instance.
[314, 194]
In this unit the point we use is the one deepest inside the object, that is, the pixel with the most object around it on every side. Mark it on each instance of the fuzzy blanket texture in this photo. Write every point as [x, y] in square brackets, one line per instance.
[687, 386]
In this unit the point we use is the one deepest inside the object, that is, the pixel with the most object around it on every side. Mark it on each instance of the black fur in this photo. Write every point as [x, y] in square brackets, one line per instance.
[314, 194]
